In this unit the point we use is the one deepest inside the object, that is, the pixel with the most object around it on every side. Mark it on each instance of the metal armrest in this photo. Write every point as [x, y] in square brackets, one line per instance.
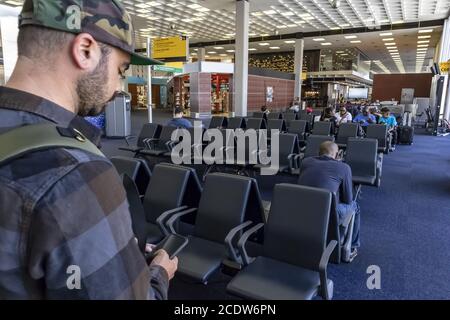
[149, 141]
[292, 162]
[128, 138]
[323, 269]
[160, 220]
[298, 160]
[170, 144]
[346, 222]
[358, 192]
[175, 217]
[230, 237]
[243, 240]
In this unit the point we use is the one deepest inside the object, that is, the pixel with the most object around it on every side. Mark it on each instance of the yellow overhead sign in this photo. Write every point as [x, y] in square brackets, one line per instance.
[445, 66]
[170, 48]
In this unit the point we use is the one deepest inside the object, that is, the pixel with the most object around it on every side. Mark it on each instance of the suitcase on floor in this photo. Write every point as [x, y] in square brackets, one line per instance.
[406, 135]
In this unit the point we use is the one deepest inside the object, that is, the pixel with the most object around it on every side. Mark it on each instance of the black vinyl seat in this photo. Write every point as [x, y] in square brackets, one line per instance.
[379, 132]
[216, 218]
[196, 143]
[148, 131]
[217, 158]
[236, 123]
[137, 169]
[293, 265]
[256, 124]
[313, 145]
[298, 127]
[276, 124]
[309, 118]
[218, 122]
[275, 116]
[322, 128]
[289, 117]
[158, 147]
[346, 131]
[288, 150]
[138, 222]
[166, 194]
[259, 115]
[362, 156]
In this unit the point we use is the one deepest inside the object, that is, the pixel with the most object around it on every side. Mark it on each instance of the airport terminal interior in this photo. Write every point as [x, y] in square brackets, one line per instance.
[370, 75]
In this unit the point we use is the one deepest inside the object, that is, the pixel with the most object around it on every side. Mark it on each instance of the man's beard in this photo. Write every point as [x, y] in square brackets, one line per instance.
[92, 90]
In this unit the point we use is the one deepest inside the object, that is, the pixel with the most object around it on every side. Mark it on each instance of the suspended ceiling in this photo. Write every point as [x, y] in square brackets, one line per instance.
[212, 20]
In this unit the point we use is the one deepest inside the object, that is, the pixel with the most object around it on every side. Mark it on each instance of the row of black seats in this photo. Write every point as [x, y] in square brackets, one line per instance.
[304, 124]
[222, 233]
[290, 153]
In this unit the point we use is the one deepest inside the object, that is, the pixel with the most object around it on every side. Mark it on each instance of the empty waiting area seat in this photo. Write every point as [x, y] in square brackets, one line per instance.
[161, 145]
[298, 127]
[218, 122]
[346, 131]
[379, 132]
[168, 192]
[256, 123]
[275, 116]
[293, 264]
[289, 117]
[216, 217]
[149, 131]
[362, 156]
[137, 169]
[276, 124]
[313, 145]
[236, 123]
[322, 128]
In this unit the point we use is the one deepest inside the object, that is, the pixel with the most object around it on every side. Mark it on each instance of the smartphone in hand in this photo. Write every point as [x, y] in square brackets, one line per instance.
[172, 244]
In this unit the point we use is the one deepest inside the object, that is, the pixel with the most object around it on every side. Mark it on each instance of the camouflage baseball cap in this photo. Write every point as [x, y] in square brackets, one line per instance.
[106, 20]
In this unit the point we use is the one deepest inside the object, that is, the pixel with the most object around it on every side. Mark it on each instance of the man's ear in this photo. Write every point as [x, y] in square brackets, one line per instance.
[86, 52]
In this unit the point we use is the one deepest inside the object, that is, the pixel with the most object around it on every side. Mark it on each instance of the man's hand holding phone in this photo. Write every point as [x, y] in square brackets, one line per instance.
[164, 254]
[162, 259]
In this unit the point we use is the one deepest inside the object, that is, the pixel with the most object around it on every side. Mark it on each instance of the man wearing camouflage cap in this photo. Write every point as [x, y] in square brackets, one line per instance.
[65, 229]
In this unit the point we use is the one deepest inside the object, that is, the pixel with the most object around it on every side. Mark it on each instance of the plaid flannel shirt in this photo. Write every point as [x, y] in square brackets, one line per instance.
[61, 208]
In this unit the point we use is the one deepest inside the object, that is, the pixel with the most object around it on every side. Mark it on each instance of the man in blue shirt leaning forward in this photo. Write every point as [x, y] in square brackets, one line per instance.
[326, 172]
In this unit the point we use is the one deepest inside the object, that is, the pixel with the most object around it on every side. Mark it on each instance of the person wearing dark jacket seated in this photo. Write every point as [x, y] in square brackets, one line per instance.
[326, 172]
[178, 120]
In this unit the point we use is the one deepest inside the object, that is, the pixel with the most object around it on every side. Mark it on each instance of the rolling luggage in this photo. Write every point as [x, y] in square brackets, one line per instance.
[406, 135]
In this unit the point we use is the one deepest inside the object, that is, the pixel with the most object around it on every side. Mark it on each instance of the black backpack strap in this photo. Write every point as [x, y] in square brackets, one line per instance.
[30, 138]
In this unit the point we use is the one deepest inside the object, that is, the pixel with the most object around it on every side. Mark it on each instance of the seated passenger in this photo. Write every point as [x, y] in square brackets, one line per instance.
[343, 117]
[178, 120]
[365, 118]
[330, 116]
[326, 172]
[265, 110]
[374, 111]
[390, 121]
[295, 107]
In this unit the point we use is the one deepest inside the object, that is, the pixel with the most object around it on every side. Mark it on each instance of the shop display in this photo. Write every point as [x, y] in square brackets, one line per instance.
[220, 89]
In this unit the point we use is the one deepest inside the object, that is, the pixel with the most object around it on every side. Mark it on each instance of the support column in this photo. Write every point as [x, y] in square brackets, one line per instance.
[298, 67]
[445, 57]
[241, 58]
[201, 53]
[149, 82]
